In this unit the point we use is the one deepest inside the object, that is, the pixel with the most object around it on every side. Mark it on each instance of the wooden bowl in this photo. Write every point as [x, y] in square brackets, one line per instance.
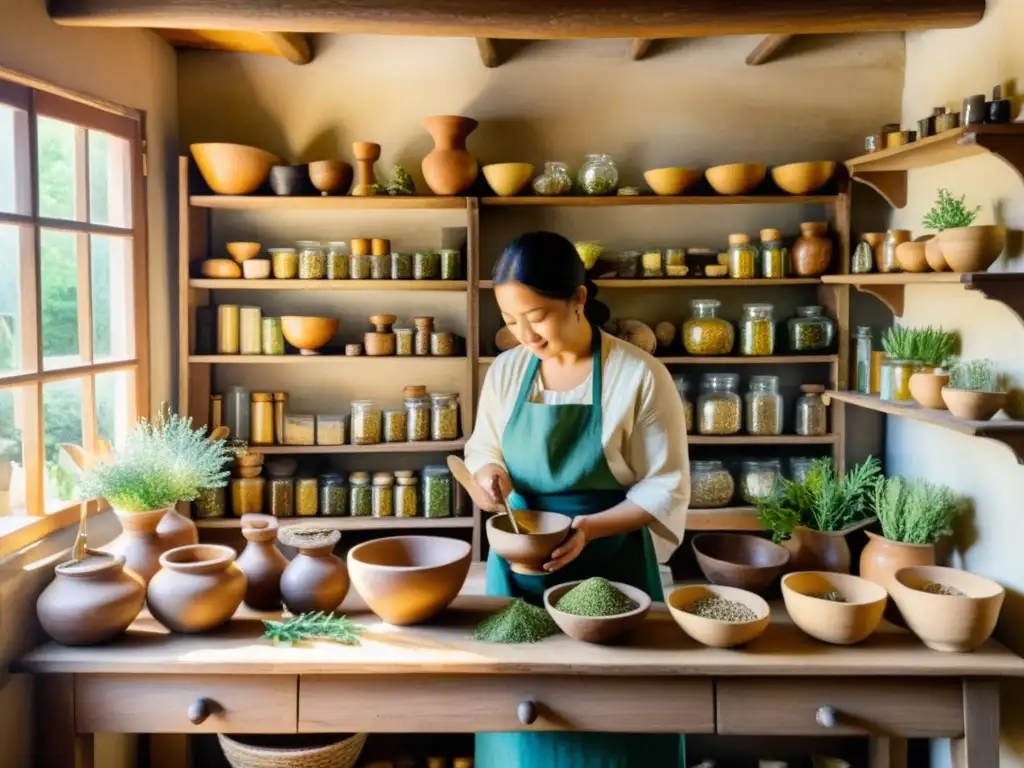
[308, 334]
[243, 471]
[973, 406]
[224, 269]
[256, 269]
[409, 579]
[243, 251]
[671, 181]
[330, 176]
[527, 552]
[508, 179]
[739, 560]
[249, 460]
[596, 629]
[926, 389]
[972, 249]
[832, 622]
[714, 632]
[911, 256]
[803, 178]
[233, 169]
[735, 179]
[950, 623]
[933, 255]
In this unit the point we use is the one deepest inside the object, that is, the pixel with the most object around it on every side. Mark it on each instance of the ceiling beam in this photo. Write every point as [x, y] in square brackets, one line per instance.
[767, 48]
[295, 48]
[488, 52]
[528, 19]
[639, 47]
[291, 46]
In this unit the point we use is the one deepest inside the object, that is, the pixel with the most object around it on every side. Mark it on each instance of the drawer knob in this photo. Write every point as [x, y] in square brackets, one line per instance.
[527, 712]
[199, 710]
[826, 716]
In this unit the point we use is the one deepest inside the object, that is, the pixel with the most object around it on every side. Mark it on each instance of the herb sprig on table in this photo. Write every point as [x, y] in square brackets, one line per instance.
[313, 626]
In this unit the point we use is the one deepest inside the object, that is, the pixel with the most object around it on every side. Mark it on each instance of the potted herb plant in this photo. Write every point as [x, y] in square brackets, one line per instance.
[934, 348]
[973, 390]
[812, 518]
[910, 351]
[161, 463]
[961, 245]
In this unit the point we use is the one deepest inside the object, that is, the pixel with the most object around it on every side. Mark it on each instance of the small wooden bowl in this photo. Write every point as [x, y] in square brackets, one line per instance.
[714, 632]
[249, 460]
[527, 552]
[803, 178]
[248, 471]
[672, 181]
[330, 176]
[233, 169]
[735, 179]
[308, 334]
[831, 622]
[508, 179]
[224, 269]
[911, 256]
[739, 560]
[926, 389]
[240, 251]
[597, 629]
[973, 406]
[256, 269]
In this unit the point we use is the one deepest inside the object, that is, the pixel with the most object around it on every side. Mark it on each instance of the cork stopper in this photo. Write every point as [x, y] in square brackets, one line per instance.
[770, 234]
[739, 239]
[262, 397]
[812, 389]
[414, 390]
[280, 397]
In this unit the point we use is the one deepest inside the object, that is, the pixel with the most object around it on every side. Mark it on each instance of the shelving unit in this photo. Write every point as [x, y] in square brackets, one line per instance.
[431, 446]
[629, 201]
[357, 523]
[359, 286]
[697, 283]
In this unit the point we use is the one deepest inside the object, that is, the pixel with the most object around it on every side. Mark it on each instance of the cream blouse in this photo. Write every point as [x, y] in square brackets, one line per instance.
[643, 429]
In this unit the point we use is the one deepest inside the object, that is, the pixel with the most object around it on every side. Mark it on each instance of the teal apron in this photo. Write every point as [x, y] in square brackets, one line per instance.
[555, 457]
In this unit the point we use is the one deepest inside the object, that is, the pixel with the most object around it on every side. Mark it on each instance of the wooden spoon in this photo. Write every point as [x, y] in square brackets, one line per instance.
[220, 433]
[480, 497]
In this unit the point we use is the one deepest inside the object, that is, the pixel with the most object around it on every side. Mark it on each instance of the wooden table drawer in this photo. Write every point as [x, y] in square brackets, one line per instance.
[905, 707]
[452, 704]
[161, 703]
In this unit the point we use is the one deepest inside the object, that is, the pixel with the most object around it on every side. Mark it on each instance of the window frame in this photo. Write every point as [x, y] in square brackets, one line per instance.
[39, 99]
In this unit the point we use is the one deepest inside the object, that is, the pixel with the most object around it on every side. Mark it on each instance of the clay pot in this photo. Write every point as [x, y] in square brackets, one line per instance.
[91, 601]
[147, 535]
[366, 154]
[926, 389]
[911, 256]
[177, 531]
[449, 169]
[198, 587]
[881, 558]
[527, 551]
[811, 550]
[232, 169]
[972, 249]
[812, 251]
[289, 180]
[330, 176]
[973, 406]
[933, 255]
[315, 580]
[261, 562]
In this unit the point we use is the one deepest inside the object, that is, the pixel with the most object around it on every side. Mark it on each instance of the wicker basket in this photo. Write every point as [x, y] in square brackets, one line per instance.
[291, 751]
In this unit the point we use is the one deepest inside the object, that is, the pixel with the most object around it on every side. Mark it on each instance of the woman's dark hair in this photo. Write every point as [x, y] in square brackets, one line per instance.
[548, 264]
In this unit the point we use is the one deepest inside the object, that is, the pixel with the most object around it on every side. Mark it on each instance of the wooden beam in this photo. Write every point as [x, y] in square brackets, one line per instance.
[488, 52]
[767, 49]
[528, 19]
[293, 47]
[639, 47]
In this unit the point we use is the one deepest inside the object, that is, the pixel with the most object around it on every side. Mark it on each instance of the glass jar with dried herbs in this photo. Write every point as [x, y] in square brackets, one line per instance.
[444, 416]
[367, 422]
[774, 255]
[360, 495]
[811, 417]
[407, 495]
[281, 496]
[757, 330]
[437, 491]
[764, 406]
[401, 266]
[598, 176]
[810, 330]
[307, 493]
[711, 485]
[743, 257]
[706, 334]
[719, 406]
[246, 495]
[312, 260]
[421, 340]
[396, 425]
[426, 265]
[417, 412]
[337, 260]
[333, 495]
[757, 478]
[451, 263]
[383, 494]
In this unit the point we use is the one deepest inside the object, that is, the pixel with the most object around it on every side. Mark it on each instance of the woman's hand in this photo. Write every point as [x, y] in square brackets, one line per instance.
[570, 549]
[493, 479]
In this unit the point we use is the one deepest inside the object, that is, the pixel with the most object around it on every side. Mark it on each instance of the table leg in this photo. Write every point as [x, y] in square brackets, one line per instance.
[979, 747]
[885, 752]
[56, 743]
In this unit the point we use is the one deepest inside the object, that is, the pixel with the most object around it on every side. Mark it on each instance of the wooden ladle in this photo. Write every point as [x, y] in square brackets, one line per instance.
[465, 478]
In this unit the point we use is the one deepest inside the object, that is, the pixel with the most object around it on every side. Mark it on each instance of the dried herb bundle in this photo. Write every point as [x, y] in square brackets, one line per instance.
[918, 512]
[313, 626]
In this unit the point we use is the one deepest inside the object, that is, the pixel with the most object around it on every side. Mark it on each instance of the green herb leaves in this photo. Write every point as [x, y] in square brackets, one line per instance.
[949, 212]
[928, 345]
[918, 512]
[973, 375]
[313, 626]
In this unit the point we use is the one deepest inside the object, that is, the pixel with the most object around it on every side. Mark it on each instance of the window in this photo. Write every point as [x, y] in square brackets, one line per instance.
[73, 357]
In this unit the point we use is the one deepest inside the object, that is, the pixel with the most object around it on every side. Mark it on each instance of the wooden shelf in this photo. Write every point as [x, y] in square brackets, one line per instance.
[351, 523]
[1010, 432]
[690, 282]
[429, 446]
[338, 203]
[641, 200]
[729, 360]
[211, 284]
[723, 519]
[761, 440]
[886, 171]
[404, 360]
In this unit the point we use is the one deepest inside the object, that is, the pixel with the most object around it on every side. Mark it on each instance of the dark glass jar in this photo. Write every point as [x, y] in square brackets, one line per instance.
[333, 495]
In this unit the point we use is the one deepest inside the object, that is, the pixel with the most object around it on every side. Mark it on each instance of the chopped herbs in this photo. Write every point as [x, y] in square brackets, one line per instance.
[720, 609]
[596, 597]
[517, 622]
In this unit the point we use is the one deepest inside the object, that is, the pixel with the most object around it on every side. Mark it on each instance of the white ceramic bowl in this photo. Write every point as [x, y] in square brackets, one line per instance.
[256, 269]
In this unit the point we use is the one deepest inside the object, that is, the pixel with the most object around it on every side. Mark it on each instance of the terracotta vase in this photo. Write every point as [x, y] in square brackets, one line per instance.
[315, 580]
[881, 558]
[449, 169]
[812, 251]
[90, 601]
[147, 535]
[366, 154]
[262, 563]
[197, 588]
[811, 550]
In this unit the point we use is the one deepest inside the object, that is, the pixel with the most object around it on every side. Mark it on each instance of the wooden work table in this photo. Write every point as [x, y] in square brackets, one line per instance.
[437, 679]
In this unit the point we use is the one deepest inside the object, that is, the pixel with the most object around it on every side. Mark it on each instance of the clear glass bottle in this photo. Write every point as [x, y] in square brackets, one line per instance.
[555, 180]
[774, 255]
[401, 266]
[743, 257]
[757, 478]
[627, 264]
[360, 495]
[417, 414]
[719, 406]
[799, 466]
[437, 491]
[764, 406]
[367, 422]
[451, 263]
[862, 344]
[598, 176]
[757, 330]
[333, 495]
[444, 416]
[237, 412]
[711, 485]
[810, 330]
[261, 419]
[407, 494]
[307, 497]
[811, 414]
[337, 260]
[383, 495]
[312, 260]
[705, 333]
[683, 388]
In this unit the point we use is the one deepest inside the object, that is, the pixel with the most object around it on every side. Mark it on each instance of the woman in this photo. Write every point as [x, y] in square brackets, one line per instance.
[578, 422]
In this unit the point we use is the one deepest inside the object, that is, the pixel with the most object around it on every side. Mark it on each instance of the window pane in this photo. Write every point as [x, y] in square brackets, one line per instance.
[56, 168]
[113, 317]
[14, 151]
[115, 406]
[10, 302]
[59, 300]
[12, 467]
[109, 180]
[62, 423]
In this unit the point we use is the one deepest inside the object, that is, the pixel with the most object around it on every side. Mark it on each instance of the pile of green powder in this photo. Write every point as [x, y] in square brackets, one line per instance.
[517, 622]
[595, 597]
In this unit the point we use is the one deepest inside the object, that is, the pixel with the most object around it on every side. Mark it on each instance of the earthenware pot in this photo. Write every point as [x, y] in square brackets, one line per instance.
[90, 601]
[881, 558]
[910, 256]
[197, 588]
[926, 389]
[366, 154]
[973, 406]
[449, 169]
[832, 621]
[261, 562]
[972, 249]
[812, 251]
[147, 535]
[933, 255]
[290, 180]
[811, 550]
[330, 177]
[315, 580]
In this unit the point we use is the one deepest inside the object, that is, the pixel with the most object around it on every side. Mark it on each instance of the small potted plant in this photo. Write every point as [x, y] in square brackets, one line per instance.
[959, 245]
[973, 391]
[910, 351]
[812, 518]
[933, 349]
[161, 463]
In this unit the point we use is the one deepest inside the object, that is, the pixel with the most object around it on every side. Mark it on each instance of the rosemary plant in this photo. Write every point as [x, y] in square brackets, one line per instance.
[918, 512]
[162, 462]
[949, 212]
[973, 375]
[313, 626]
[928, 345]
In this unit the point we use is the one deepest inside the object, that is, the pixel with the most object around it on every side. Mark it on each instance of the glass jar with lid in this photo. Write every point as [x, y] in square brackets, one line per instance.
[333, 495]
[683, 388]
[742, 257]
[421, 339]
[367, 422]
[437, 491]
[711, 485]
[312, 260]
[799, 466]
[555, 180]
[627, 264]
[307, 496]
[774, 255]
[811, 415]
[281, 496]
[598, 176]
[337, 260]
[451, 263]
[764, 406]
[383, 494]
[718, 407]
[261, 419]
[284, 263]
[407, 495]
[757, 478]
[757, 330]
[401, 266]
[706, 334]
[675, 262]
[360, 495]
[810, 330]
[444, 416]
[417, 413]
